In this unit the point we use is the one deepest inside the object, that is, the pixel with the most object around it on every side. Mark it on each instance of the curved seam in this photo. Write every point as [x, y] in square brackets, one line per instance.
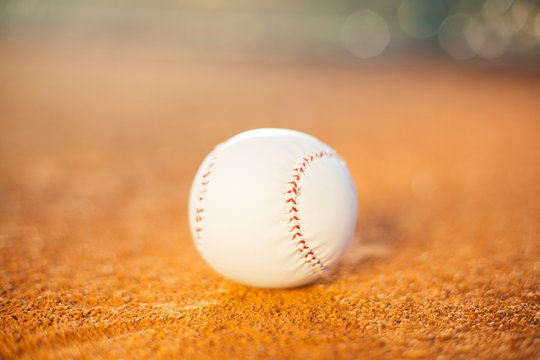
[200, 207]
[304, 250]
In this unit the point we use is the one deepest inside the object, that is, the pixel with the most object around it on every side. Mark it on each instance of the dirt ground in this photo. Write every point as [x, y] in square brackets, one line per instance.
[98, 149]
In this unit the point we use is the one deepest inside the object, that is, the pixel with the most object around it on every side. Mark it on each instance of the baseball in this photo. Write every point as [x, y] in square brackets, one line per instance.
[272, 208]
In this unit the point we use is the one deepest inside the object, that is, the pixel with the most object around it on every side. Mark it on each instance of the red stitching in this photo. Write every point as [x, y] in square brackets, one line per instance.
[293, 219]
[201, 197]
[291, 201]
[310, 257]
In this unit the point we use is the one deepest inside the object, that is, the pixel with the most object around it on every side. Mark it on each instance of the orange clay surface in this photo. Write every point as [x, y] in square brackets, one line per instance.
[97, 152]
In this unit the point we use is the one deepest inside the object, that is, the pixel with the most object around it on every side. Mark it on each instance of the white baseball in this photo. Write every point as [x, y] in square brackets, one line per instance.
[272, 208]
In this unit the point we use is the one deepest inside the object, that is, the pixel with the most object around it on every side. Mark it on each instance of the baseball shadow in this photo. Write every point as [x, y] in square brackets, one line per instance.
[378, 235]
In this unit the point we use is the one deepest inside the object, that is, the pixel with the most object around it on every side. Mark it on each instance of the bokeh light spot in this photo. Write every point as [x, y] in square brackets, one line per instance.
[498, 6]
[421, 18]
[537, 27]
[365, 34]
[452, 37]
[475, 35]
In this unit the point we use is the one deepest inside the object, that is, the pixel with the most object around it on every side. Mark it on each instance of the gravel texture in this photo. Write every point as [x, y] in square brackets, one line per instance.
[97, 153]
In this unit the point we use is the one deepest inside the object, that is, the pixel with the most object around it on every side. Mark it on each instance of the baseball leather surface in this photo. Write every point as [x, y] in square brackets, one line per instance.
[272, 208]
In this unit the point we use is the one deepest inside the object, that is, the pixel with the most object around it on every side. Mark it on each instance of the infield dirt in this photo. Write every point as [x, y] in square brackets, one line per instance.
[97, 154]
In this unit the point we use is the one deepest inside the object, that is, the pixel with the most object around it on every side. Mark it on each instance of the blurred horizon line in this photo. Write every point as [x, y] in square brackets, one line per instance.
[494, 31]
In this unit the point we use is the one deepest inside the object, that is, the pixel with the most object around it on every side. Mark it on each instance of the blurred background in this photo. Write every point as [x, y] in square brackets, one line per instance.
[108, 107]
[271, 30]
